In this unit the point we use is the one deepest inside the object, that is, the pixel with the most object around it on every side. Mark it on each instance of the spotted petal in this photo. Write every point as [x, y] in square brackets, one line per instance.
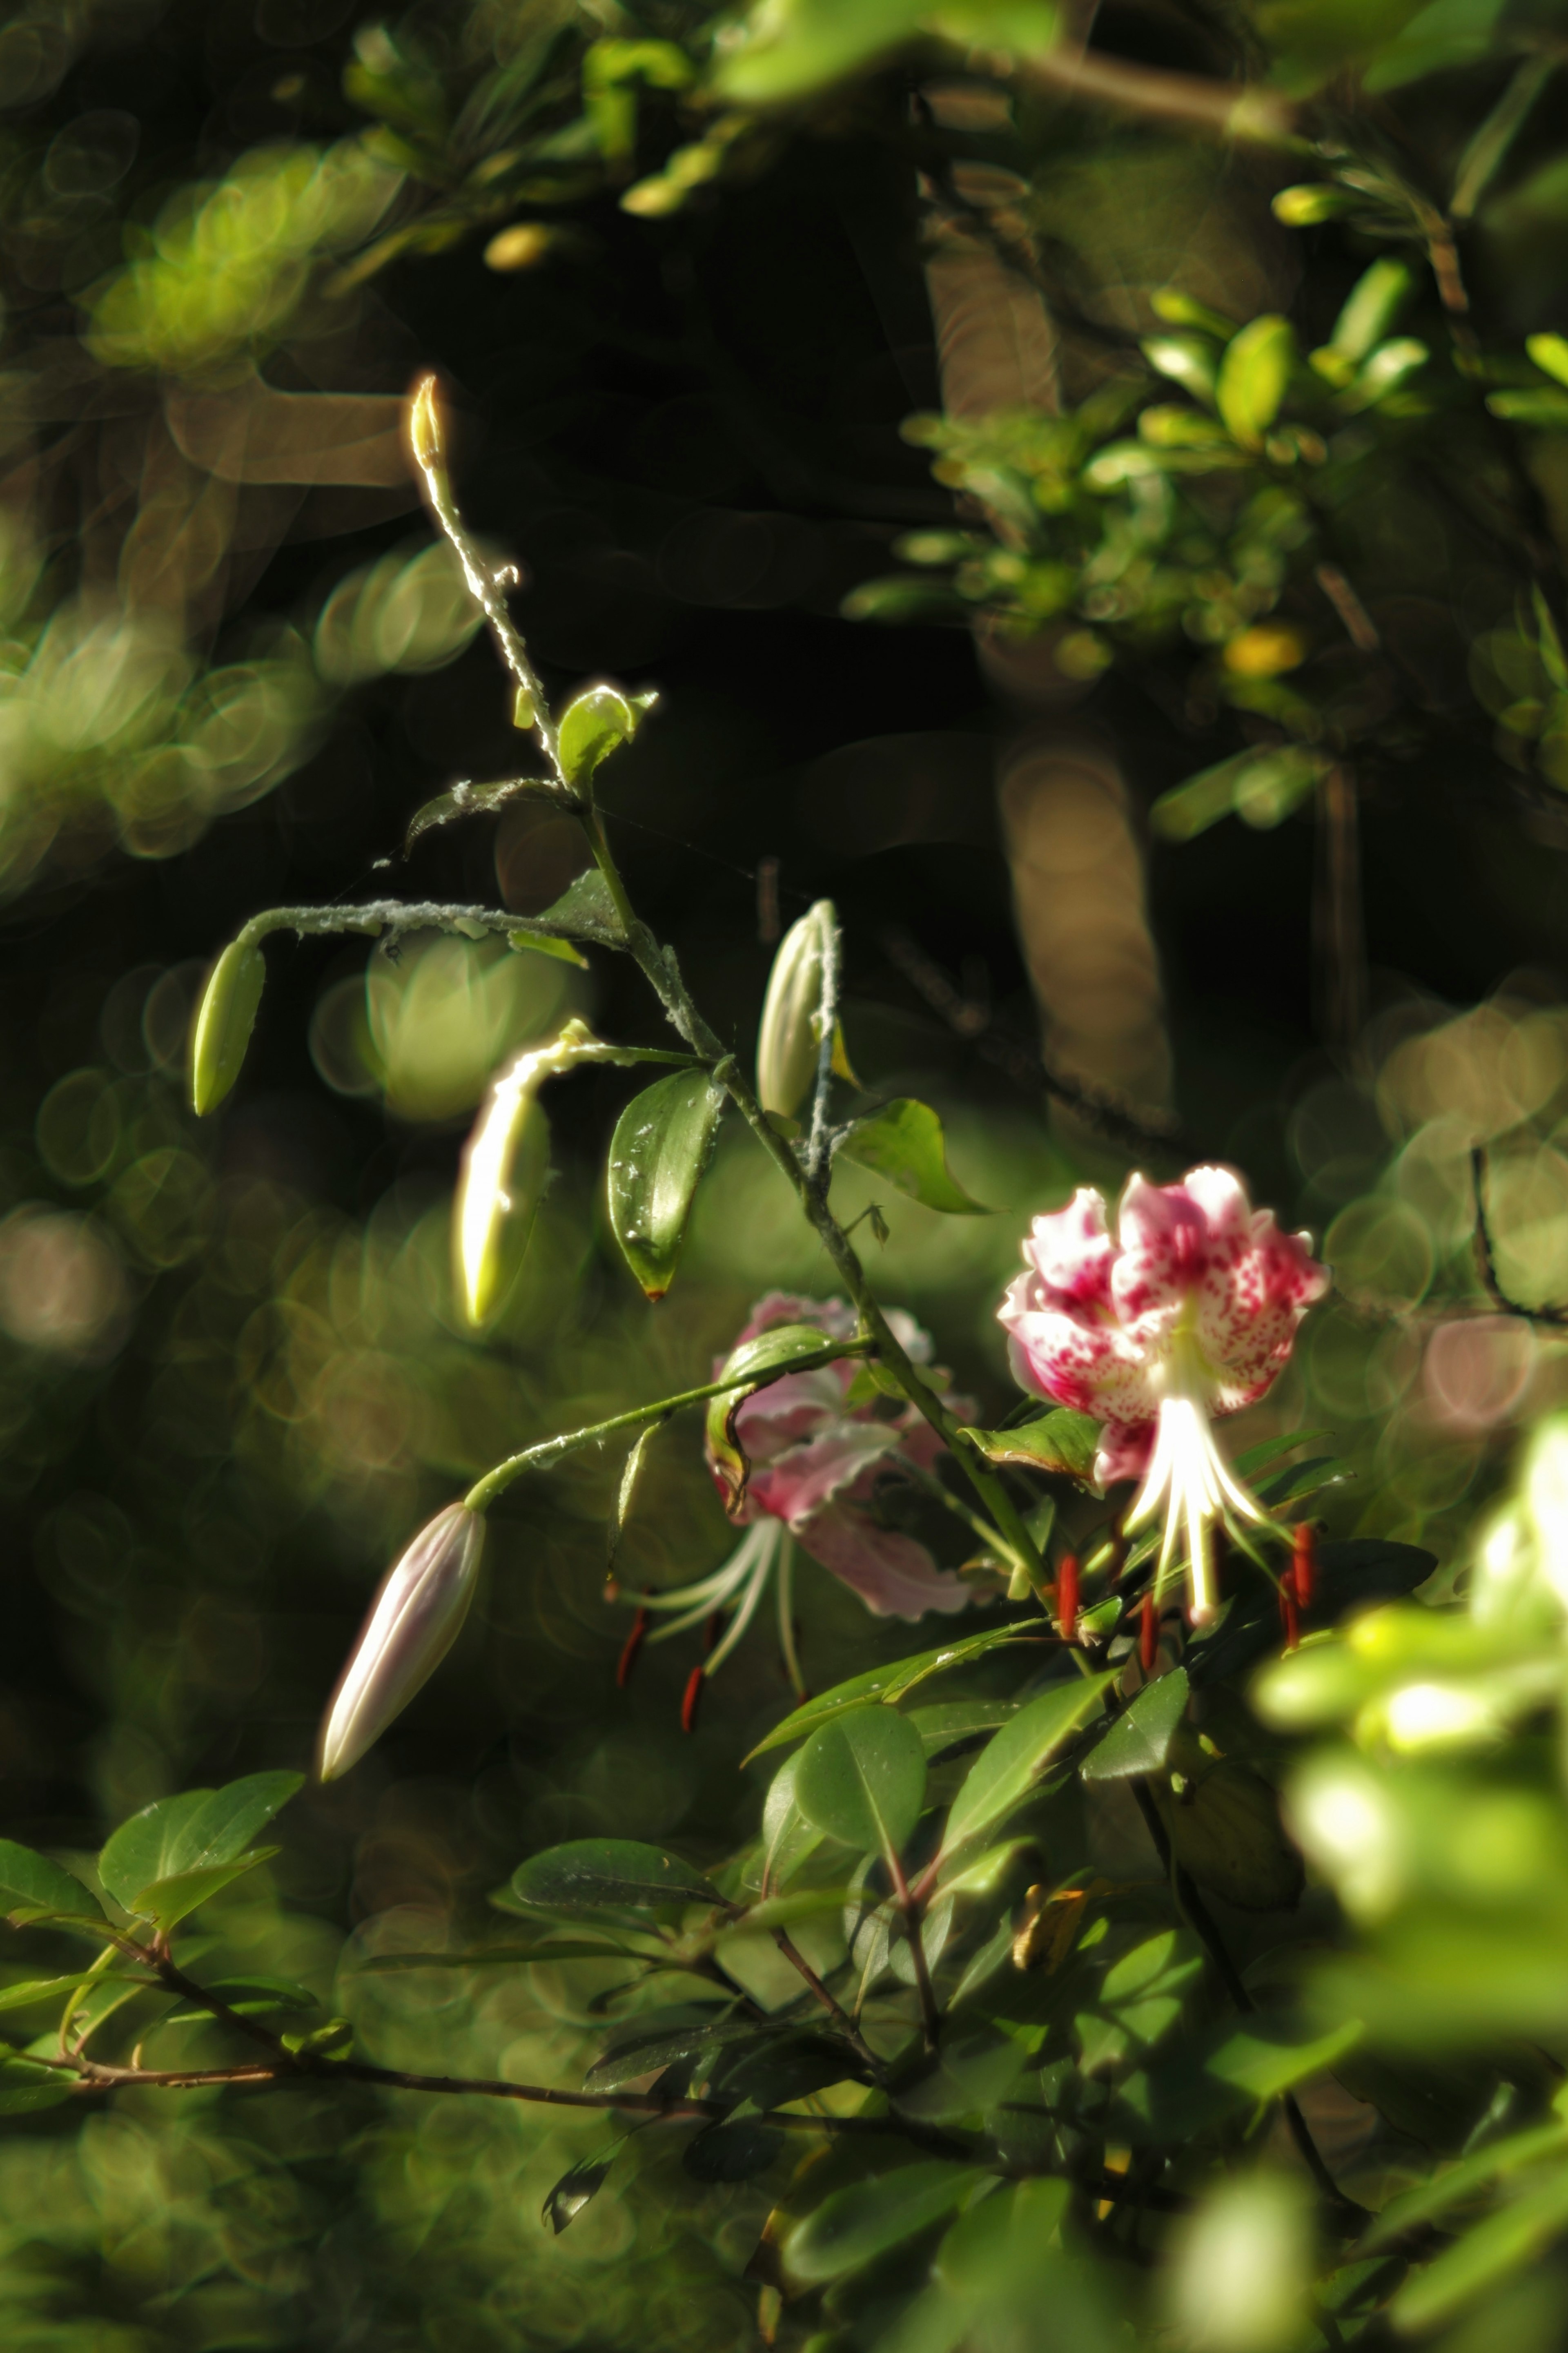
[894, 1575]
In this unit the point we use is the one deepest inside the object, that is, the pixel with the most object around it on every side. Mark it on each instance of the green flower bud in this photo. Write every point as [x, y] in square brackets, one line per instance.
[791, 1034]
[224, 1022]
[412, 1623]
[505, 1162]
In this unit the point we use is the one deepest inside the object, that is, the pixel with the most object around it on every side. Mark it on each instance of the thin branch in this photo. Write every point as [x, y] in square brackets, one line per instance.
[1222, 109]
[821, 1993]
[1485, 1262]
[1021, 1063]
[910, 1906]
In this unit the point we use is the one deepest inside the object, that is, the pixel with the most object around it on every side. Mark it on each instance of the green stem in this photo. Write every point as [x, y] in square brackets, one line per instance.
[551, 1450]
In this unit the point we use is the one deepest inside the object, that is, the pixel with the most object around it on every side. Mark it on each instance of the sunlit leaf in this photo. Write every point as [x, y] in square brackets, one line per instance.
[1253, 375]
[199, 1829]
[171, 1900]
[574, 2190]
[905, 1144]
[595, 724]
[663, 1142]
[31, 1886]
[1061, 1441]
[1139, 1739]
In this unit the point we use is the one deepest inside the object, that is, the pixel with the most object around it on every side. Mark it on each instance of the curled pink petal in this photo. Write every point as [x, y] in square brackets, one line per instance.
[1124, 1451]
[801, 1481]
[894, 1575]
[1072, 1253]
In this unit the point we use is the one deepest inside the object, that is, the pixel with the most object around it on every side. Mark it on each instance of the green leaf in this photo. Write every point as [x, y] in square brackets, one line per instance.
[596, 723]
[196, 1830]
[584, 910]
[662, 1144]
[24, 2088]
[574, 2190]
[1547, 411]
[1550, 353]
[549, 1948]
[32, 1887]
[1429, 2199]
[862, 1778]
[853, 2226]
[904, 1142]
[1374, 303]
[952, 1720]
[19, 1997]
[561, 950]
[1062, 1441]
[599, 1874]
[1004, 1773]
[1504, 2242]
[169, 1901]
[1264, 2065]
[768, 1357]
[1262, 786]
[778, 1910]
[650, 2054]
[888, 1685]
[1138, 1740]
[475, 800]
[1187, 360]
[1253, 375]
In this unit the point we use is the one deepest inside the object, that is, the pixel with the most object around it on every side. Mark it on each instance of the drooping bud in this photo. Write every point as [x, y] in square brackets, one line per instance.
[225, 1019]
[1304, 1562]
[505, 1164]
[790, 1037]
[414, 1621]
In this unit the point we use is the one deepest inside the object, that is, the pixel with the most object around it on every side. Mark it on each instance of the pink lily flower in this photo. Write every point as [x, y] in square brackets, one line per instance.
[1190, 1311]
[814, 1464]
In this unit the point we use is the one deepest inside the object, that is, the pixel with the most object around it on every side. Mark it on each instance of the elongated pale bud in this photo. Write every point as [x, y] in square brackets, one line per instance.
[505, 1164]
[425, 426]
[225, 1019]
[413, 1623]
[791, 1033]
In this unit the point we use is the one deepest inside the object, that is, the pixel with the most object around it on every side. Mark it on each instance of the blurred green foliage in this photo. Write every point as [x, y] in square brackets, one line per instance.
[1293, 505]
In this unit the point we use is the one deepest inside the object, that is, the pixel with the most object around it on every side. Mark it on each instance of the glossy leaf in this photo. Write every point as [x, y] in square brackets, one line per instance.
[613, 1874]
[853, 2226]
[196, 1830]
[595, 724]
[31, 1886]
[768, 1357]
[584, 910]
[1253, 375]
[1139, 1739]
[862, 1778]
[953, 1720]
[1004, 1773]
[639, 2054]
[174, 1899]
[574, 2190]
[905, 1144]
[888, 1685]
[663, 1142]
[1061, 1441]
[474, 800]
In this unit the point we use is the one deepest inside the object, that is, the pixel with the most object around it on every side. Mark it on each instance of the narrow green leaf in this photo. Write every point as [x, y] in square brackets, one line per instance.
[905, 1144]
[639, 2054]
[475, 800]
[195, 1831]
[1254, 1459]
[853, 2226]
[1187, 360]
[1550, 353]
[596, 1875]
[1004, 1773]
[626, 1494]
[31, 1885]
[542, 945]
[862, 1778]
[1062, 1441]
[1253, 375]
[1504, 2242]
[169, 1901]
[1264, 2066]
[1138, 1740]
[1374, 303]
[887, 1684]
[1430, 2199]
[1547, 411]
[19, 1997]
[663, 1142]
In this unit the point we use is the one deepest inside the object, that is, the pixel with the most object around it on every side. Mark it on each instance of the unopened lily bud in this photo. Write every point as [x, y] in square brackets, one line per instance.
[225, 1019]
[414, 1621]
[505, 1164]
[790, 1037]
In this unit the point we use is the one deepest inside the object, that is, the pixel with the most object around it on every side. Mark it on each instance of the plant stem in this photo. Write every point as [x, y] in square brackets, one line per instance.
[828, 2000]
[551, 1450]
[910, 1906]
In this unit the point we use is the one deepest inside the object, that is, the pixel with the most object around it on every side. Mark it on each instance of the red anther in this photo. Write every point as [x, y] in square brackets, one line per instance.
[1067, 1596]
[710, 1634]
[1147, 1635]
[694, 1683]
[1304, 1562]
[632, 1645]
